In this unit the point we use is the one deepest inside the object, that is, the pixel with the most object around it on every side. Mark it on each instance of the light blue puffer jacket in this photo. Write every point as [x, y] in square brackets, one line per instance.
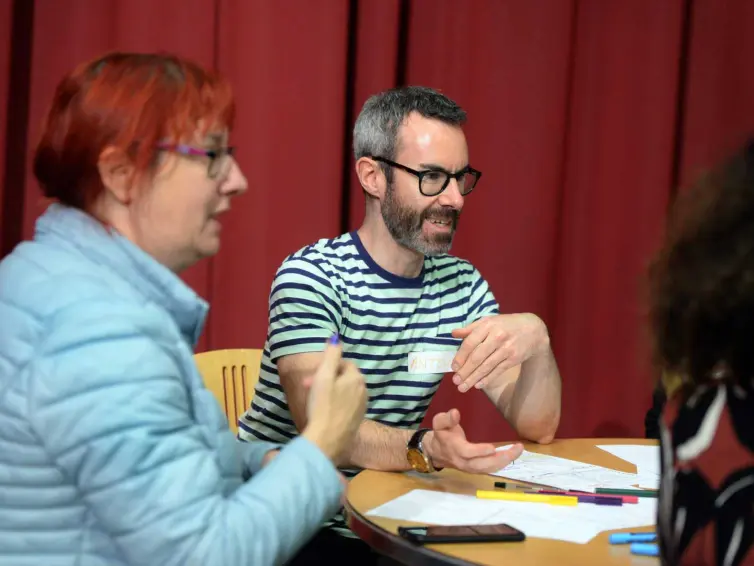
[111, 449]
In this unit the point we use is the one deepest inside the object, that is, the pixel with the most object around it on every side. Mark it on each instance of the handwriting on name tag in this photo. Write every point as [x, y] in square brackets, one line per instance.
[430, 362]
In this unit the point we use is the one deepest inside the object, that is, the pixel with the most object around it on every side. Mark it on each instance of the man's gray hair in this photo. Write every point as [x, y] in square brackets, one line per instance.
[376, 129]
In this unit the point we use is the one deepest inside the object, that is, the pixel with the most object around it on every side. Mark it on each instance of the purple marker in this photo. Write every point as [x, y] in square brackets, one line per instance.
[597, 500]
[585, 497]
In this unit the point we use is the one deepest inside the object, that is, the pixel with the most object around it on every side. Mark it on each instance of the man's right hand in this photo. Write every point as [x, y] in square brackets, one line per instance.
[448, 448]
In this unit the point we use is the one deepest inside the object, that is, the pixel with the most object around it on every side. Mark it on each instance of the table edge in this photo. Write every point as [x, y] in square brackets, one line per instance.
[394, 546]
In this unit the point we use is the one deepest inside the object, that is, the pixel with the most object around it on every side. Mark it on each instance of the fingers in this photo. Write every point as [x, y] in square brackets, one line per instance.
[350, 375]
[348, 369]
[514, 451]
[306, 382]
[473, 365]
[328, 368]
[489, 464]
[455, 416]
[457, 452]
[468, 345]
[450, 447]
[351, 379]
[500, 361]
[440, 421]
[446, 421]
[466, 330]
[472, 451]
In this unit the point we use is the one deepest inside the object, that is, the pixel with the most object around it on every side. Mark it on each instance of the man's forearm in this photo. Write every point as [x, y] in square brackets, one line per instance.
[534, 407]
[380, 447]
[376, 446]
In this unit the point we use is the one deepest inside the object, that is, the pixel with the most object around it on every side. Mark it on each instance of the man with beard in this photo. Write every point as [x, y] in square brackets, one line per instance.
[401, 305]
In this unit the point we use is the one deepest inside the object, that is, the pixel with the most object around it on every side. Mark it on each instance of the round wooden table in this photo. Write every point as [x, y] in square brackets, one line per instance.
[369, 489]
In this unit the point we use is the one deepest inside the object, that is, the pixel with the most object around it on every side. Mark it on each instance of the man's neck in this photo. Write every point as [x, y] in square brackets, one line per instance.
[387, 253]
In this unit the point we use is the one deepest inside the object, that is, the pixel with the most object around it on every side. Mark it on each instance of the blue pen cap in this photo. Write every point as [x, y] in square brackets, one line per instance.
[625, 538]
[645, 549]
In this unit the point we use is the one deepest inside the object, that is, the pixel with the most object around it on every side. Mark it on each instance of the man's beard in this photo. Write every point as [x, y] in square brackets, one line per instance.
[405, 225]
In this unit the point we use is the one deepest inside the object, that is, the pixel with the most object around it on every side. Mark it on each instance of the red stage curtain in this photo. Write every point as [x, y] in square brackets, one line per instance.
[517, 102]
[616, 183]
[583, 115]
[718, 104]
[6, 21]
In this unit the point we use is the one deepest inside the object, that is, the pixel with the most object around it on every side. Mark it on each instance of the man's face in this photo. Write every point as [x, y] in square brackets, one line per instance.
[421, 223]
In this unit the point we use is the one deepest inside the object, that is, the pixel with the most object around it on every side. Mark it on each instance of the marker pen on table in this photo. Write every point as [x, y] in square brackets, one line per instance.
[590, 497]
[584, 497]
[527, 497]
[625, 538]
[634, 492]
[644, 549]
[509, 485]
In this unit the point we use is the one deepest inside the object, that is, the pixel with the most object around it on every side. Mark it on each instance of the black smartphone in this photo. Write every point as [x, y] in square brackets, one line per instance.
[470, 533]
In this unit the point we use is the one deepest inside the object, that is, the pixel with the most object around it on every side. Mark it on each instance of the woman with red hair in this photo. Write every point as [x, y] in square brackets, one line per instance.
[111, 449]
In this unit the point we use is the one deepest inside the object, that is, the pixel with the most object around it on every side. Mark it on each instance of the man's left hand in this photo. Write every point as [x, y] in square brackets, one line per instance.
[494, 344]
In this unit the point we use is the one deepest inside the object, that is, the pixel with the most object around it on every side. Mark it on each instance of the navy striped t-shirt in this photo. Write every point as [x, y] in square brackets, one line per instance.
[335, 286]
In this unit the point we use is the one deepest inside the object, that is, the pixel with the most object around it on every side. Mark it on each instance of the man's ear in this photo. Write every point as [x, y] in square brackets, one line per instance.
[371, 177]
[116, 170]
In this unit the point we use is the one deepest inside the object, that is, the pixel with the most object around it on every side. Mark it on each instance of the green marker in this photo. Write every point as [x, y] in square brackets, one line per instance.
[636, 492]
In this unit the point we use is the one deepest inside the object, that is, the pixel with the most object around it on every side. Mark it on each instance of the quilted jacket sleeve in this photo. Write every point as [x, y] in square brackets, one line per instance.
[252, 454]
[110, 406]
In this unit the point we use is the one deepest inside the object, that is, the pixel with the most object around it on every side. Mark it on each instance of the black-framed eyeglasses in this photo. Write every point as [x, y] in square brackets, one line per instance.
[434, 181]
[219, 159]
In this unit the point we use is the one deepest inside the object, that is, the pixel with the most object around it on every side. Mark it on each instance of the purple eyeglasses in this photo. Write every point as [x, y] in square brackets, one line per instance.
[218, 158]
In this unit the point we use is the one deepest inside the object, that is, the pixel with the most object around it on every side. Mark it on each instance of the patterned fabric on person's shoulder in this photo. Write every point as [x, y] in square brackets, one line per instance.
[706, 505]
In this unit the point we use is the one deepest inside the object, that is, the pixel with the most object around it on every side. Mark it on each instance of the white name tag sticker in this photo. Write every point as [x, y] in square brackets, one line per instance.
[430, 362]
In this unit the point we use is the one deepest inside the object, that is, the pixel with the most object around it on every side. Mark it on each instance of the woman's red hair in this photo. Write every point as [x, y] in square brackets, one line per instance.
[130, 101]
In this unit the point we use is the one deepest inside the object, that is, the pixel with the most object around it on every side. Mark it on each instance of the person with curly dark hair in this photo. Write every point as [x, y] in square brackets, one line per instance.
[652, 418]
[702, 322]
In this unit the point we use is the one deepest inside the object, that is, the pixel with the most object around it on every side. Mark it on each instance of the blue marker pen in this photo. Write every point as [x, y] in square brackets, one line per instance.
[625, 538]
[645, 549]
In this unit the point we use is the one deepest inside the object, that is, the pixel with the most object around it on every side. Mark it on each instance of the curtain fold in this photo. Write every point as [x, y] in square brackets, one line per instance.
[583, 115]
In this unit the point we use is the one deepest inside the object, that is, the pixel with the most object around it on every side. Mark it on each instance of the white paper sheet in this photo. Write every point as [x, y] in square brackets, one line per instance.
[565, 474]
[578, 524]
[645, 458]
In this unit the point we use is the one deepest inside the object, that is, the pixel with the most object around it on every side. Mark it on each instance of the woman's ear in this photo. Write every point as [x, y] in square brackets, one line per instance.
[116, 170]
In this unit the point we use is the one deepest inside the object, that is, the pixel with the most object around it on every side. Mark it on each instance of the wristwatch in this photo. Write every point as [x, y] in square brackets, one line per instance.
[416, 455]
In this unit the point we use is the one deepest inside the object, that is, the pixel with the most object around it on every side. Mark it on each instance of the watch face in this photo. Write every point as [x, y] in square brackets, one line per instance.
[417, 460]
